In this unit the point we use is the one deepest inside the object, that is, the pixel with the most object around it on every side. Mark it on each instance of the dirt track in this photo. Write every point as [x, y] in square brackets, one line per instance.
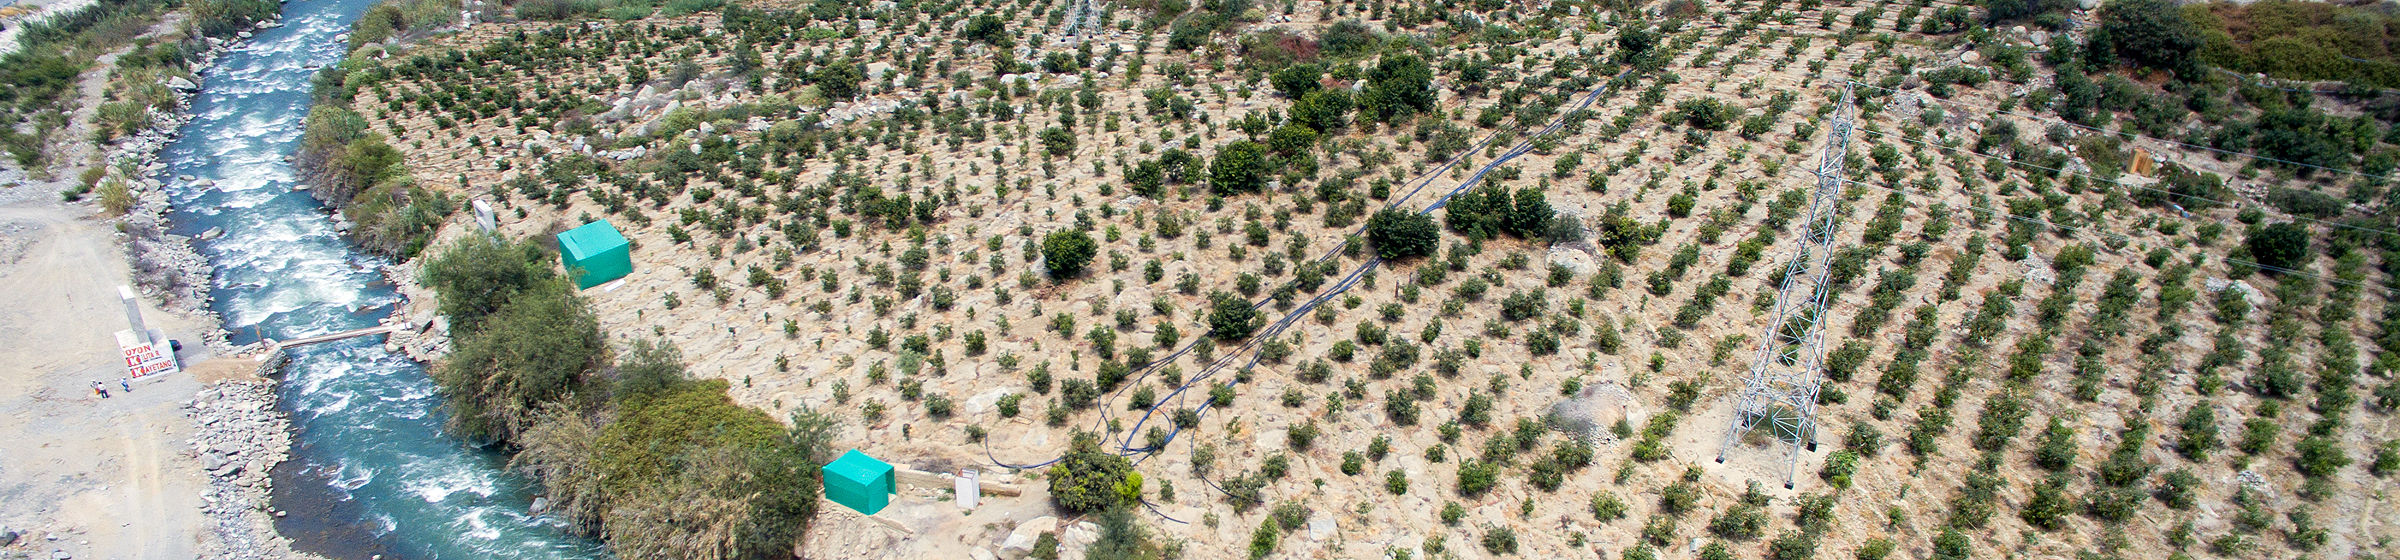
[108, 478]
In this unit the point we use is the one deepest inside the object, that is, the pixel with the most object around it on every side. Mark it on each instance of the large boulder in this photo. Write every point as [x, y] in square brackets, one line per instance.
[1020, 540]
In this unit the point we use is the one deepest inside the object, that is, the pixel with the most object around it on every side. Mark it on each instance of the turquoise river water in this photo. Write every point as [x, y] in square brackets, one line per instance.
[372, 472]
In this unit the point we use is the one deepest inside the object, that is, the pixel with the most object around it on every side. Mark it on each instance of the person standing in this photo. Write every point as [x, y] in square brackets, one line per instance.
[99, 389]
[125, 383]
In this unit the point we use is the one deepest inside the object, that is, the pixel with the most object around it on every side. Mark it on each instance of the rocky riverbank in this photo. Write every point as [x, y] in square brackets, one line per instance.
[240, 434]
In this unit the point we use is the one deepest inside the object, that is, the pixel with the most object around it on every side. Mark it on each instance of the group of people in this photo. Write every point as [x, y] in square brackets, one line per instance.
[101, 389]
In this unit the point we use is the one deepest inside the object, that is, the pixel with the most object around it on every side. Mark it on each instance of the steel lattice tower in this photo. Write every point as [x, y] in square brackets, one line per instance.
[1780, 393]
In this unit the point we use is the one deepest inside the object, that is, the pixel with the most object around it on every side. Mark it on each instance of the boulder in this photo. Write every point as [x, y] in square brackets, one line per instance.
[181, 84]
[1020, 540]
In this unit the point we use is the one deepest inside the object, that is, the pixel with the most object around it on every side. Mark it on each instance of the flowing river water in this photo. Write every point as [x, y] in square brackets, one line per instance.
[371, 470]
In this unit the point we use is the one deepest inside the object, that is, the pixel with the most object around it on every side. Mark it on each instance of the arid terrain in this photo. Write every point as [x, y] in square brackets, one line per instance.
[1987, 288]
[1396, 280]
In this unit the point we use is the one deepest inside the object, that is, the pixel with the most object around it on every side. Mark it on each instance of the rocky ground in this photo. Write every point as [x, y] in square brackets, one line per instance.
[241, 434]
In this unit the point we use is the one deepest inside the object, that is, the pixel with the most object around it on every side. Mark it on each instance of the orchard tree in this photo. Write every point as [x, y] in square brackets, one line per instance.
[1297, 80]
[1230, 317]
[1066, 252]
[1399, 86]
[1089, 480]
[2283, 245]
[839, 80]
[1058, 141]
[1401, 235]
[1323, 110]
[1240, 167]
[988, 29]
[2150, 33]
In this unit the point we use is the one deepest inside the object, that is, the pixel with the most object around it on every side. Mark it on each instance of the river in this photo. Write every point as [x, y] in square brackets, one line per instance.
[371, 470]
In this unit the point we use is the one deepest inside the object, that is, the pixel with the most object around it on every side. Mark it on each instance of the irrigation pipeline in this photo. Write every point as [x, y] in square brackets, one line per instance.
[1126, 445]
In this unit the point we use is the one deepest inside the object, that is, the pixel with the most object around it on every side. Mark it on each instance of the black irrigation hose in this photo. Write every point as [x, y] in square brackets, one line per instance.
[1125, 447]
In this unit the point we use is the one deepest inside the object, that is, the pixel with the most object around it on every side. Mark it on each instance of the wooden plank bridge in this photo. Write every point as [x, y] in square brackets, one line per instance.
[329, 337]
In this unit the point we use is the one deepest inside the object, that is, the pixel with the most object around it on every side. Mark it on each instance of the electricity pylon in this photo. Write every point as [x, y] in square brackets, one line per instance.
[1780, 393]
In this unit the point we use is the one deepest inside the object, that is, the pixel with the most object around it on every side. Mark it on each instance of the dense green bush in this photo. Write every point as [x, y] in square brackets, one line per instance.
[2300, 40]
[397, 220]
[988, 29]
[1058, 141]
[1487, 211]
[1230, 317]
[1708, 113]
[1087, 479]
[1066, 252]
[1298, 80]
[1239, 168]
[540, 345]
[2151, 33]
[1398, 87]
[479, 274]
[1401, 235]
[2283, 245]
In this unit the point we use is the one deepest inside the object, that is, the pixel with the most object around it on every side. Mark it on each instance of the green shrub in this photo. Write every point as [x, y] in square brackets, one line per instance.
[1707, 113]
[223, 18]
[1239, 168]
[1400, 235]
[537, 347]
[1398, 87]
[477, 275]
[1067, 252]
[2283, 245]
[1230, 317]
[1087, 479]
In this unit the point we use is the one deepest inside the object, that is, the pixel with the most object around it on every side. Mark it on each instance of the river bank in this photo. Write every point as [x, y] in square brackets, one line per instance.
[190, 452]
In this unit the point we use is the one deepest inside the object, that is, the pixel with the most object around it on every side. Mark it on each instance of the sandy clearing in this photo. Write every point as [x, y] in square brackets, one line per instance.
[108, 478]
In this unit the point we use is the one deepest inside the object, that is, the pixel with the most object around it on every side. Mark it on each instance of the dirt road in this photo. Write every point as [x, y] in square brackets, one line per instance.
[108, 478]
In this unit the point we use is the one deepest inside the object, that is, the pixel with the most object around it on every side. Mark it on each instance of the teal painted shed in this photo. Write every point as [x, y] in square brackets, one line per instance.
[861, 482]
[595, 254]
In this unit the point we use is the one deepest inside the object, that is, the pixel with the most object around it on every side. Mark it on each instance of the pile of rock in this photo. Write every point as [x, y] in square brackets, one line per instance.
[239, 435]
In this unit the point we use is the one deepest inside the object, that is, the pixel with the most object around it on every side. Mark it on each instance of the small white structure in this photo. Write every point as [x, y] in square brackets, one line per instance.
[483, 215]
[969, 489]
[147, 351]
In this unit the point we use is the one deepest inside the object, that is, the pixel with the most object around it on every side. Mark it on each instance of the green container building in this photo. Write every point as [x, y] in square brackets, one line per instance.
[595, 254]
[861, 482]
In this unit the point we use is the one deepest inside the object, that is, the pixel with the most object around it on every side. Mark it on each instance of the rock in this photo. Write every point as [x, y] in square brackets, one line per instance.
[980, 554]
[1320, 527]
[540, 504]
[1969, 57]
[181, 84]
[2249, 294]
[1020, 540]
[8, 537]
[214, 461]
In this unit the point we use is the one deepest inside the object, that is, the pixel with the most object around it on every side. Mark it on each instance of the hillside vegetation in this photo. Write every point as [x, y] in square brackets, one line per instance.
[1241, 265]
